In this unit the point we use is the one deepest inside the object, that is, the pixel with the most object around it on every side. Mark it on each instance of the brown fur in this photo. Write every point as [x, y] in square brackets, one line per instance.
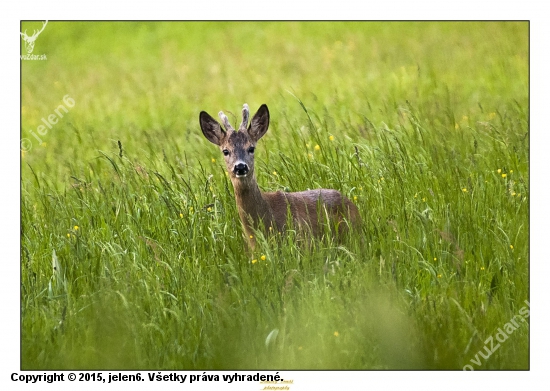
[271, 209]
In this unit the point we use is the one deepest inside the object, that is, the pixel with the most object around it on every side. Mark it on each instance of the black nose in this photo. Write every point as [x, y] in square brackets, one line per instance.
[240, 169]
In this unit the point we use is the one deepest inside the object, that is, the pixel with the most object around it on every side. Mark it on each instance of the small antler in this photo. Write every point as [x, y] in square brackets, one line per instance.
[246, 113]
[225, 121]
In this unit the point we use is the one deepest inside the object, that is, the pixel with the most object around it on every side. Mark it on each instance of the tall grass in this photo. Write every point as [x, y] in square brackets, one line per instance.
[423, 125]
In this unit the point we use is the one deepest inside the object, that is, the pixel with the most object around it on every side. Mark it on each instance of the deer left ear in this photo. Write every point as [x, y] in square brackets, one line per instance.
[211, 128]
[259, 124]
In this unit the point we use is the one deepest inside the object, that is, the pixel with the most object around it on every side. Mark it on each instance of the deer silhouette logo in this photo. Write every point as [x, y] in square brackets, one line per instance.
[29, 41]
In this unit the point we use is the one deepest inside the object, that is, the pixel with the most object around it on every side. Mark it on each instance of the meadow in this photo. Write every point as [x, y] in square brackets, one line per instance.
[132, 252]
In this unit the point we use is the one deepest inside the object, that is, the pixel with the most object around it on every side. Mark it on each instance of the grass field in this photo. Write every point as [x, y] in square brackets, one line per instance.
[423, 125]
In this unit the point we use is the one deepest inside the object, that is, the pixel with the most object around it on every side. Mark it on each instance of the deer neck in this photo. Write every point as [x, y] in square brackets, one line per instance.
[252, 206]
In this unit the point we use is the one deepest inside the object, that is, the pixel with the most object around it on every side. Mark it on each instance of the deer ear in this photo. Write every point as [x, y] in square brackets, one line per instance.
[259, 124]
[211, 128]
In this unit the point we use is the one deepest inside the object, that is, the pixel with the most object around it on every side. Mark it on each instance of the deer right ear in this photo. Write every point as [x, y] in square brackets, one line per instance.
[259, 124]
[211, 128]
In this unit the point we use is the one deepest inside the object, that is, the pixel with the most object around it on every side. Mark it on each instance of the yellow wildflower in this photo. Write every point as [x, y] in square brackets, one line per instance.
[439, 276]
[213, 160]
[251, 237]
[336, 333]
[511, 247]
[317, 147]
[76, 227]
[482, 267]
[68, 235]
[181, 215]
[435, 259]
[355, 198]
[254, 261]
[331, 138]
[499, 170]
[262, 257]
[503, 175]
[464, 190]
[209, 209]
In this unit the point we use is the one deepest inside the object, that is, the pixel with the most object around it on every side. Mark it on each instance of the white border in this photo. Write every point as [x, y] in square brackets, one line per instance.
[285, 10]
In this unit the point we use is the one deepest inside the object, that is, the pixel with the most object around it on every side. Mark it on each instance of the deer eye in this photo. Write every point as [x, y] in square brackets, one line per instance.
[251, 150]
[225, 152]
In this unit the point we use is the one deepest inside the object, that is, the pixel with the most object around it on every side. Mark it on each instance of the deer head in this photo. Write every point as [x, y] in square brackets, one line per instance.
[237, 146]
[29, 41]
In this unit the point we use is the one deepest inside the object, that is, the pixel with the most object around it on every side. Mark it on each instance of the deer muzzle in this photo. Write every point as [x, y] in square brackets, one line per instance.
[241, 169]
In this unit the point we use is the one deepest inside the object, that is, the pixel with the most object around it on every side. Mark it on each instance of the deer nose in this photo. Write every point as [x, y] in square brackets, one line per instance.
[240, 169]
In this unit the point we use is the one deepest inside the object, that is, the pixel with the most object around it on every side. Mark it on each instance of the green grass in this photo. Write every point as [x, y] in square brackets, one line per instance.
[154, 268]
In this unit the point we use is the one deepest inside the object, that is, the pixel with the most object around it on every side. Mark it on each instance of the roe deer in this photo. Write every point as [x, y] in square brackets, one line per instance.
[255, 207]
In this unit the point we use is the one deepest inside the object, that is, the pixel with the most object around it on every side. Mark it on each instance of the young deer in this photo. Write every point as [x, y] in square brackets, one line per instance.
[307, 208]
